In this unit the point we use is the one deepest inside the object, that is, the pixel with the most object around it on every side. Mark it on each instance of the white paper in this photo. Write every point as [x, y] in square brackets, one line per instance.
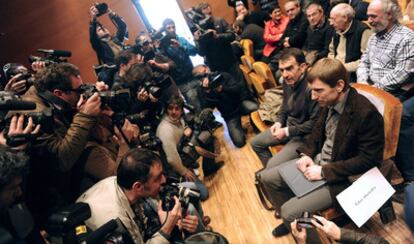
[365, 196]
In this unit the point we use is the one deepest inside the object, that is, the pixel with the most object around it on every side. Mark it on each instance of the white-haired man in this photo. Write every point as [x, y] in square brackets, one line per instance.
[350, 38]
[388, 63]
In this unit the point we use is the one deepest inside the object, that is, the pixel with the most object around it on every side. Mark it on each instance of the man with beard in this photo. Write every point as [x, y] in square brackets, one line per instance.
[388, 64]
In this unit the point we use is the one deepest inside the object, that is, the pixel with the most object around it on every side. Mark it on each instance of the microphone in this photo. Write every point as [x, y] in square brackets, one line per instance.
[17, 105]
[57, 53]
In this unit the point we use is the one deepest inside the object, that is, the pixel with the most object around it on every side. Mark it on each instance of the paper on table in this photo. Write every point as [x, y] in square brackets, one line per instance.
[365, 196]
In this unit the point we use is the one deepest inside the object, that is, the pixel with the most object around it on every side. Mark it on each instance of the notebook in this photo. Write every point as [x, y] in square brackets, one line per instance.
[296, 181]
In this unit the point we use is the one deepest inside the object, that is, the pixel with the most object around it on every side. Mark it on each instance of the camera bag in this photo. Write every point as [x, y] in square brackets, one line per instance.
[261, 191]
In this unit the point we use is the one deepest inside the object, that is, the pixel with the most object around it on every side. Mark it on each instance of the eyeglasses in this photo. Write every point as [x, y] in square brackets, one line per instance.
[78, 90]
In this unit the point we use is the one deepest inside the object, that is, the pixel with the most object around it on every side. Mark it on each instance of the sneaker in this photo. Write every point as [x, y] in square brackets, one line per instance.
[213, 169]
[280, 230]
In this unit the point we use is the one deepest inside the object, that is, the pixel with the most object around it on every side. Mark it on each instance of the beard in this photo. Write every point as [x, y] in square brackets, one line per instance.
[379, 26]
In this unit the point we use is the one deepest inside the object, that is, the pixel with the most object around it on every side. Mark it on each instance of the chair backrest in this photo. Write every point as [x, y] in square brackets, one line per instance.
[245, 70]
[247, 61]
[390, 109]
[259, 83]
[263, 70]
[247, 46]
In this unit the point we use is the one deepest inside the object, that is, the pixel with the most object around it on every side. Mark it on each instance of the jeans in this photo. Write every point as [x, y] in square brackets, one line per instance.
[234, 125]
[405, 157]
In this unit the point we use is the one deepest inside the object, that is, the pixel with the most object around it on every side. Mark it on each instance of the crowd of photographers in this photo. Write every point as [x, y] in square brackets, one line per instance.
[129, 145]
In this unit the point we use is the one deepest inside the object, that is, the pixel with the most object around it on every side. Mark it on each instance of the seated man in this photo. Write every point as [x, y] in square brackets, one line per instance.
[388, 64]
[251, 17]
[124, 196]
[347, 139]
[252, 32]
[295, 33]
[296, 116]
[319, 34]
[350, 39]
[221, 91]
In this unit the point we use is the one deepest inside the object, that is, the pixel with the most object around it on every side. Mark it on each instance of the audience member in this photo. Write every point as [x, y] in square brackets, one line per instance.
[350, 39]
[138, 180]
[295, 33]
[124, 60]
[388, 63]
[233, 3]
[252, 32]
[347, 139]
[295, 119]
[319, 34]
[251, 17]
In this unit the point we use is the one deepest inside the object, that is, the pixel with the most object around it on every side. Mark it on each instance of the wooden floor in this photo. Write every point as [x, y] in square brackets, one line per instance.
[237, 213]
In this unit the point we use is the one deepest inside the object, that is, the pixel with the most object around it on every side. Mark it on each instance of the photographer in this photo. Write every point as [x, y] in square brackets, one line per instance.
[16, 222]
[124, 60]
[139, 178]
[105, 45]
[18, 77]
[333, 232]
[229, 97]
[56, 151]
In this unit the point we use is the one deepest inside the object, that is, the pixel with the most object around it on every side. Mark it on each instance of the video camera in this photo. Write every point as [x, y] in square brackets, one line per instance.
[51, 56]
[184, 194]
[118, 101]
[67, 227]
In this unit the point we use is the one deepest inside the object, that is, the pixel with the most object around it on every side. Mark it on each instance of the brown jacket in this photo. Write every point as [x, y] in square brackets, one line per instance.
[358, 144]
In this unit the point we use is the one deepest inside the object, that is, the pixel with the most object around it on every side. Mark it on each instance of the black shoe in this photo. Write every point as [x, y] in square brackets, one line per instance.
[277, 214]
[213, 169]
[280, 230]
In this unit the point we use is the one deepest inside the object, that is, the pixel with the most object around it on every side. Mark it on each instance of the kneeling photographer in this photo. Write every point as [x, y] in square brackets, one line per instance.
[219, 90]
[59, 147]
[128, 196]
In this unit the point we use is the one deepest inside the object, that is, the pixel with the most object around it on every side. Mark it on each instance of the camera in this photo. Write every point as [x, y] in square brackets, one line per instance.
[305, 221]
[184, 194]
[102, 8]
[50, 56]
[12, 69]
[118, 101]
[67, 226]
[199, 21]
[157, 86]
[214, 79]
[149, 141]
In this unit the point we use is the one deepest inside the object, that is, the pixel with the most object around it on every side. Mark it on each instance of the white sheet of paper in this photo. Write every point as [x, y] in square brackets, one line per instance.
[365, 196]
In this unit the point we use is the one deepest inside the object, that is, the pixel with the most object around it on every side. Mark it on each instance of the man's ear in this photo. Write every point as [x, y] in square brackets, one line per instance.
[340, 86]
[58, 92]
[303, 67]
[138, 186]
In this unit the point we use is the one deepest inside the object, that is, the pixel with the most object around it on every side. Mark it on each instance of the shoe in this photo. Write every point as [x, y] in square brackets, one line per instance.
[206, 220]
[398, 197]
[277, 214]
[280, 230]
[213, 169]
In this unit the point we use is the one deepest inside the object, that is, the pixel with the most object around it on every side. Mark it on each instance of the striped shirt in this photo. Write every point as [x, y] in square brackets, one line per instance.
[388, 61]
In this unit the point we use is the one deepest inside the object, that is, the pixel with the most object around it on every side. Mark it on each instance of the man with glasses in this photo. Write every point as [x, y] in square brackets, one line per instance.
[57, 149]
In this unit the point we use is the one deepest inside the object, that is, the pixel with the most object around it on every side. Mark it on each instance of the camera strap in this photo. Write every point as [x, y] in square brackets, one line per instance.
[263, 195]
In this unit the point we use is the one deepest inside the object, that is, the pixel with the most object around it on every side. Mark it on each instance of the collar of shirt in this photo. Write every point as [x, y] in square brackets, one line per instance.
[388, 34]
[339, 107]
[319, 26]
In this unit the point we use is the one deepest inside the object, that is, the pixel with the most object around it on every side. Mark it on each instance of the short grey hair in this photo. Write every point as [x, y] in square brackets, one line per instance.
[392, 7]
[344, 9]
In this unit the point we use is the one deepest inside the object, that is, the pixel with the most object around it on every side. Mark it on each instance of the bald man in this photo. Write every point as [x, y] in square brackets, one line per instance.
[350, 38]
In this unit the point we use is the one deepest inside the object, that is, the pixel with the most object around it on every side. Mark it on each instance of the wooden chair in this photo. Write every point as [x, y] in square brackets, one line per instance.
[263, 70]
[391, 110]
[247, 46]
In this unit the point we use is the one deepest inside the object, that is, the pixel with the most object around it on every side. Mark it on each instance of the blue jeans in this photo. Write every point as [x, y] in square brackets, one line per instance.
[405, 156]
[234, 124]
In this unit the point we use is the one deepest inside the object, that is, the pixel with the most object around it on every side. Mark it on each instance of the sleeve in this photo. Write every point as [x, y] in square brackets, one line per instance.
[353, 237]
[298, 39]
[120, 26]
[306, 127]
[328, 38]
[283, 112]
[353, 66]
[188, 48]
[69, 147]
[404, 69]
[93, 37]
[370, 146]
[267, 35]
[364, 65]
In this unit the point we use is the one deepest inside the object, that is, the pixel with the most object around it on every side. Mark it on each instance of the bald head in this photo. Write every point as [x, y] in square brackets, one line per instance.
[341, 16]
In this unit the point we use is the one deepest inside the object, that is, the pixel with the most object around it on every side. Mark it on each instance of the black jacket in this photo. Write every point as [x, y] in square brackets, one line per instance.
[296, 31]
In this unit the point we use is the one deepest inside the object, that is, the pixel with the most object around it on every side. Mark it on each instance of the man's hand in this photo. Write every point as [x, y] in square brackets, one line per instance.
[93, 12]
[188, 131]
[131, 132]
[152, 98]
[329, 227]
[205, 82]
[16, 128]
[300, 235]
[175, 43]
[189, 175]
[313, 172]
[274, 128]
[173, 216]
[286, 42]
[38, 66]
[92, 106]
[304, 162]
[142, 95]
[190, 223]
[101, 86]
[197, 35]
[280, 133]
[15, 85]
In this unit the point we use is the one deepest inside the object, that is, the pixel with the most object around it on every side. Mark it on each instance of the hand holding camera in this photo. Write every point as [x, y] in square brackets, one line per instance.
[169, 220]
[17, 84]
[308, 220]
[18, 135]
[92, 106]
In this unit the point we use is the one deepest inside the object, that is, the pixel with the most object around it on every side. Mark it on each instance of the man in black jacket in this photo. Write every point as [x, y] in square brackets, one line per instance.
[105, 45]
[295, 33]
[219, 90]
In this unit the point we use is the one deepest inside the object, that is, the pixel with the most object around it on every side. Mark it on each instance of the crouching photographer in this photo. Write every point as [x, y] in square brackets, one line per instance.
[55, 152]
[219, 90]
[128, 196]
